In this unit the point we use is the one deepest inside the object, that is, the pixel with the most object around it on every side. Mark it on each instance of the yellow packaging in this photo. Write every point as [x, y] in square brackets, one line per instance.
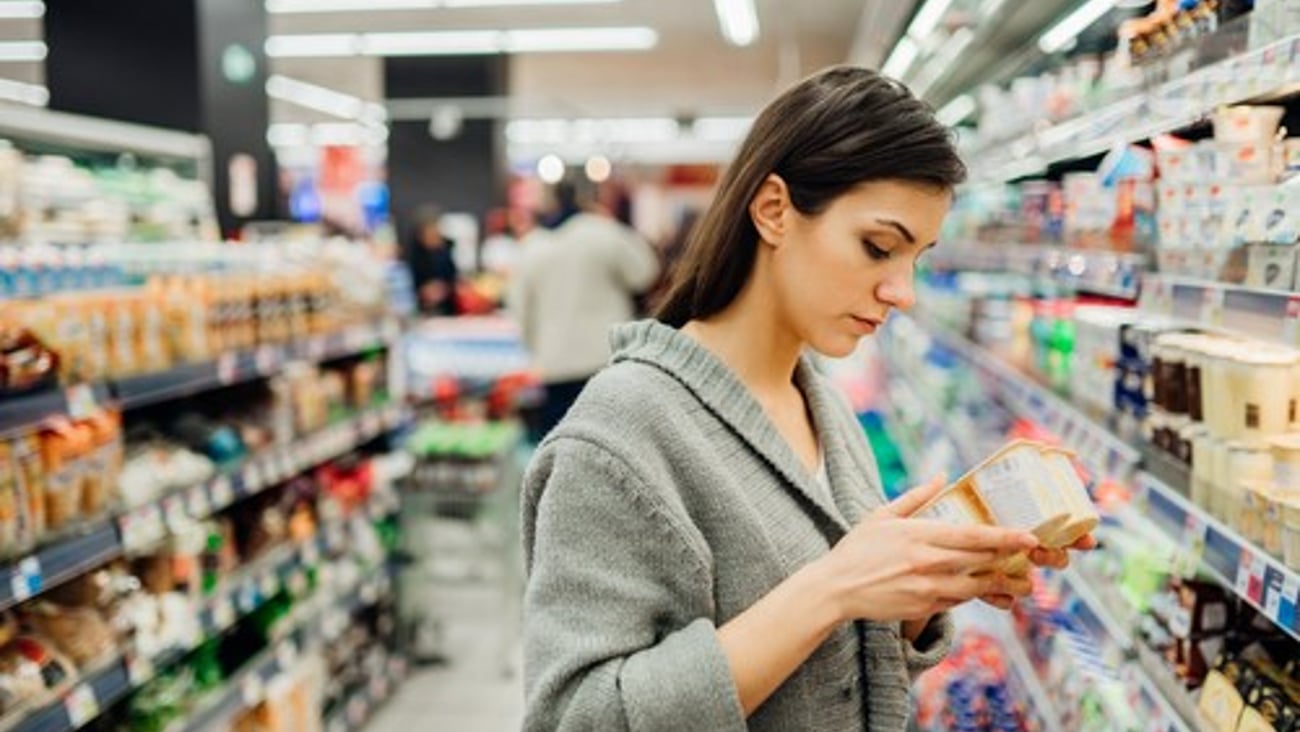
[1220, 702]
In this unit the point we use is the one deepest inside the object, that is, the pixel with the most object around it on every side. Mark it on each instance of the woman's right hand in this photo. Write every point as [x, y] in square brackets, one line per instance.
[892, 567]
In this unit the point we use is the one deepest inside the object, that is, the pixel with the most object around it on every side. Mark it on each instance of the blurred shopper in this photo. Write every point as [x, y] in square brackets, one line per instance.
[433, 266]
[574, 280]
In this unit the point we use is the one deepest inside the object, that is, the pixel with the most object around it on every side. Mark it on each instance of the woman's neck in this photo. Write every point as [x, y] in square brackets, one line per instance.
[752, 338]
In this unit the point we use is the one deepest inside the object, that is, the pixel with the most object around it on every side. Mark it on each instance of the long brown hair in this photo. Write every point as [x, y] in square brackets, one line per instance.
[830, 132]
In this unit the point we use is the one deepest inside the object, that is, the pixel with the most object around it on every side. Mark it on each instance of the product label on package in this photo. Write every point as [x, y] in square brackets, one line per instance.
[1272, 592]
[26, 580]
[82, 706]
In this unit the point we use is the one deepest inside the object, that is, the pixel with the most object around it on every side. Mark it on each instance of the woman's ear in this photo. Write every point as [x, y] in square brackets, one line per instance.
[768, 208]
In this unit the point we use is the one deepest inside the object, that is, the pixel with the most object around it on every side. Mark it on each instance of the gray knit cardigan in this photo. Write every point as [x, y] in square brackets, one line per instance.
[665, 504]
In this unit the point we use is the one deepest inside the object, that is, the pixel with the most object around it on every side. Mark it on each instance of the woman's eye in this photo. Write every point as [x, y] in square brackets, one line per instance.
[874, 251]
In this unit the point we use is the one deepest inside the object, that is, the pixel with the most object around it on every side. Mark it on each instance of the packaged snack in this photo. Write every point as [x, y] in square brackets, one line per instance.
[1022, 486]
[80, 632]
[26, 364]
[62, 448]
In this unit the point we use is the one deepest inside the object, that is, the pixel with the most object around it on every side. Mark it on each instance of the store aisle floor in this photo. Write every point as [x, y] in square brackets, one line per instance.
[479, 689]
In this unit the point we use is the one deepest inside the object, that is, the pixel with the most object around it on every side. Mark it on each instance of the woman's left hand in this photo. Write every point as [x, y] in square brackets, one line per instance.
[1043, 557]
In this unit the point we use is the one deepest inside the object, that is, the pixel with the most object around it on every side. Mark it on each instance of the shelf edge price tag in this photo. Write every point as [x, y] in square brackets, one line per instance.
[251, 689]
[26, 580]
[1290, 598]
[223, 613]
[138, 669]
[81, 705]
[81, 401]
[227, 368]
[1242, 584]
[1193, 546]
[1291, 325]
[223, 494]
[1272, 593]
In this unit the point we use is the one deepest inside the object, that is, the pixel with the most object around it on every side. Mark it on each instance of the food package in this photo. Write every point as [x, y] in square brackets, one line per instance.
[1026, 486]
[82, 633]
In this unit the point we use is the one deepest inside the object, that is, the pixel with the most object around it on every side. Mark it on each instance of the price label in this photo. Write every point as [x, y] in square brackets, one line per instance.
[1212, 305]
[1289, 599]
[1250, 576]
[81, 402]
[82, 706]
[252, 477]
[221, 492]
[138, 669]
[1272, 592]
[173, 508]
[1291, 325]
[251, 689]
[270, 584]
[286, 655]
[248, 597]
[268, 360]
[298, 583]
[228, 368]
[311, 552]
[196, 500]
[26, 580]
[223, 613]
[316, 348]
[1193, 546]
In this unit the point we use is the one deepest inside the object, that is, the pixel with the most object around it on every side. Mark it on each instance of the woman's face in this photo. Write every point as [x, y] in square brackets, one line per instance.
[838, 274]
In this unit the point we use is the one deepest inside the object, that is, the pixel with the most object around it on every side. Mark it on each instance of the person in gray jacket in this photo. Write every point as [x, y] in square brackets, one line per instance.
[575, 279]
[707, 541]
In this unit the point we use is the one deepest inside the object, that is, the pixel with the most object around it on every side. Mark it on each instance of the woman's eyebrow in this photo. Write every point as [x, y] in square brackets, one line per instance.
[902, 230]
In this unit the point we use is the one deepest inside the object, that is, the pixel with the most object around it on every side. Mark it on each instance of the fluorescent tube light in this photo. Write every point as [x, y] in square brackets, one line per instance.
[543, 40]
[324, 99]
[20, 9]
[739, 21]
[348, 6]
[442, 43]
[17, 91]
[1063, 33]
[943, 59]
[927, 18]
[432, 43]
[317, 45]
[20, 51]
[901, 58]
[956, 110]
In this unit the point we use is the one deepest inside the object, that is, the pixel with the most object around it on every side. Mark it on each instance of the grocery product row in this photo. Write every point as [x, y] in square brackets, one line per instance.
[987, 361]
[209, 623]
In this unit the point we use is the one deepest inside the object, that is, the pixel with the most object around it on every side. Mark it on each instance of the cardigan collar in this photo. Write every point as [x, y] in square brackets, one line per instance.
[718, 388]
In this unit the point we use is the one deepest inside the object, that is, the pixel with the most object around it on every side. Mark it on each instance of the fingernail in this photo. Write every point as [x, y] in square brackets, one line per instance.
[1029, 541]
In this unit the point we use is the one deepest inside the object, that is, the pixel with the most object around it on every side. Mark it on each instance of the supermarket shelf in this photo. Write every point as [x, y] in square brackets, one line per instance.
[90, 133]
[248, 687]
[1144, 693]
[57, 563]
[234, 368]
[1113, 274]
[362, 704]
[1102, 451]
[1254, 575]
[1266, 72]
[22, 413]
[138, 528]
[1022, 669]
[1271, 315]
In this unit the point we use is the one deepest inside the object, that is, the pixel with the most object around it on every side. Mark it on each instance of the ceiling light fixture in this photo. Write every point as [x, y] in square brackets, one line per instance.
[21, 9]
[901, 58]
[550, 169]
[347, 6]
[319, 98]
[23, 51]
[1063, 33]
[956, 110]
[938, 66]
[462, 42]
[927, 18]
[739, 21]
[17, 91]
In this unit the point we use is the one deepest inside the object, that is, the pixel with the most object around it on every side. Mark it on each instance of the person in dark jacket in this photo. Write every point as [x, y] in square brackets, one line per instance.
[433, 268]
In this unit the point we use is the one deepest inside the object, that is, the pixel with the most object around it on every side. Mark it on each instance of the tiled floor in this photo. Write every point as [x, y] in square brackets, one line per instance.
[478, 688]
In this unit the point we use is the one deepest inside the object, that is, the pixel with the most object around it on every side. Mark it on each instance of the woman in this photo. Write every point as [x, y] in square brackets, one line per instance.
[707, 542]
